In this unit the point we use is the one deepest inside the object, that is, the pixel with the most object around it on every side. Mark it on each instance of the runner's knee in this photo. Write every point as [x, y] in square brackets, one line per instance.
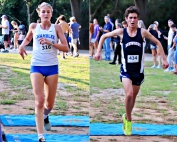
[39, 103]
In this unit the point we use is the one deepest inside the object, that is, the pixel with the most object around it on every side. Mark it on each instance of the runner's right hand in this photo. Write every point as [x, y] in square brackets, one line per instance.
[22, 52]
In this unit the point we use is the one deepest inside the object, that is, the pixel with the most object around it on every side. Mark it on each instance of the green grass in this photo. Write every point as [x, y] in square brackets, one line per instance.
[103, 76]
[73, 76]
[19, 97]
[7, 102]
[73, 71]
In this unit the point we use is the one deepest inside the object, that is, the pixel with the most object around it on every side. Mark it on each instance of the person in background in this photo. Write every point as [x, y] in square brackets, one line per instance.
[16, 34]
[74, 35]
[106, 29]
[111, 22]
[117, 51]
[65, 27]
[174, 47]
[91, 40]
[171, 51]
[124, 24]
[96, 33]
[5, 32]
[170, 34]
[39, 21]
[21, 37]
[153, 30]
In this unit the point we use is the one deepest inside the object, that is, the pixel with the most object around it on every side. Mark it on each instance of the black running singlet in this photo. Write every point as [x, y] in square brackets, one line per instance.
[132, 53]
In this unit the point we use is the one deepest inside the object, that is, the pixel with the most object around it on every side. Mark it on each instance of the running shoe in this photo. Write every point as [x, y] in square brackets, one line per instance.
[5, 51]
[42, 140]
[47, 124]
[127, 126]
[77, 55]
[154, 66]
[124, 123]
[172, 69]
[112, 63]
[91, 57]
[167, 70]
[159, 67]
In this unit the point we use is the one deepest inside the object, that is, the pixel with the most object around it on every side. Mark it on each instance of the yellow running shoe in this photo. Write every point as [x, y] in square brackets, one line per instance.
[127, 126]
[124, 123]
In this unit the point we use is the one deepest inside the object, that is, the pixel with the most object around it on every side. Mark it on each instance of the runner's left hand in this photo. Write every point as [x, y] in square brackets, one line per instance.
[44, 41]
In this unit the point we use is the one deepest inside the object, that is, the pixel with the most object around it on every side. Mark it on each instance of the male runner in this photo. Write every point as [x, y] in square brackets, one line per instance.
[132, 68]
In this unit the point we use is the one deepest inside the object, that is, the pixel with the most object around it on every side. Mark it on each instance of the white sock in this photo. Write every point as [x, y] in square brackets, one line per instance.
[45, 116]
[40, 136]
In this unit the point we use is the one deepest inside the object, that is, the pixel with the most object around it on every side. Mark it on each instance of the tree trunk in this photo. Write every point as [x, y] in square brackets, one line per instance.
[90, 12]
[28, 13]
[142, 5]
[76, 9]
[96, 10]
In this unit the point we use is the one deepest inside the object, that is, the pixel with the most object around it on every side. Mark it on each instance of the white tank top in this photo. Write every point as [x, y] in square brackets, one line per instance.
[44, 55]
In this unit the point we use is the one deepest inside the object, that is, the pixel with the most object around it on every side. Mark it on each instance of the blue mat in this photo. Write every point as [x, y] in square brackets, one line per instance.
[100, 129]
[29, 120]
[48, 137]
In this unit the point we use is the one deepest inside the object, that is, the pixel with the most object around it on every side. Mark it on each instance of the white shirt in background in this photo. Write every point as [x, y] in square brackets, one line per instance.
[4, 24]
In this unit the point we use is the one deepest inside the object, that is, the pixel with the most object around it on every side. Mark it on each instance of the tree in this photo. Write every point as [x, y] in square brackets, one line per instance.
[80, 10]
[111, 7]
[76, 9]
[142, 5]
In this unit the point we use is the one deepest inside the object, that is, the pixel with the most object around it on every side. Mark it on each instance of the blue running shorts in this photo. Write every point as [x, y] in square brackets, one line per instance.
[136, 78]
[44, 70]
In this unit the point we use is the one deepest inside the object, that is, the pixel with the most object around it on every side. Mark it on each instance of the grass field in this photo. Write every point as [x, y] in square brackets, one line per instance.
[156, 102]
[72, 93]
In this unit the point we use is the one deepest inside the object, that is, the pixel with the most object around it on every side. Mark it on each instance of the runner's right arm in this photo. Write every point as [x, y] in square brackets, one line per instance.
[27, 40]
[117, 32]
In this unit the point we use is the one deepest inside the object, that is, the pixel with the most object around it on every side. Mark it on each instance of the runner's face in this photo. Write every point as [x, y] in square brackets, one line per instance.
[132, 20]
[45, 13]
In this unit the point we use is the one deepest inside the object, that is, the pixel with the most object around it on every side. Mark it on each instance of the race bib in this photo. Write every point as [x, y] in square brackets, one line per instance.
[46, 48]
[133, 58]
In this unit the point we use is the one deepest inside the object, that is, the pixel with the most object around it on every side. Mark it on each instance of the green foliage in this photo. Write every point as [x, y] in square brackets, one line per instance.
[116, 12]
[162, 11]
[17, 10]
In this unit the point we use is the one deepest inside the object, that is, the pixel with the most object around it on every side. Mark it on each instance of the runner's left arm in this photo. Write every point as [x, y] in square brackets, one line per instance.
[63, 46]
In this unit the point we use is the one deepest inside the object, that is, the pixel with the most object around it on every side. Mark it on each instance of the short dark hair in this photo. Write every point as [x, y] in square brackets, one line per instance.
[173, 26]
[170, 20]
[62, 17]
[124, 22]
[132, 9]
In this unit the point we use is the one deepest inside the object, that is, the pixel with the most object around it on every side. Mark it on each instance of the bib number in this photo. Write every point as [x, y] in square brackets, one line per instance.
[46, 48]
[133, 58]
